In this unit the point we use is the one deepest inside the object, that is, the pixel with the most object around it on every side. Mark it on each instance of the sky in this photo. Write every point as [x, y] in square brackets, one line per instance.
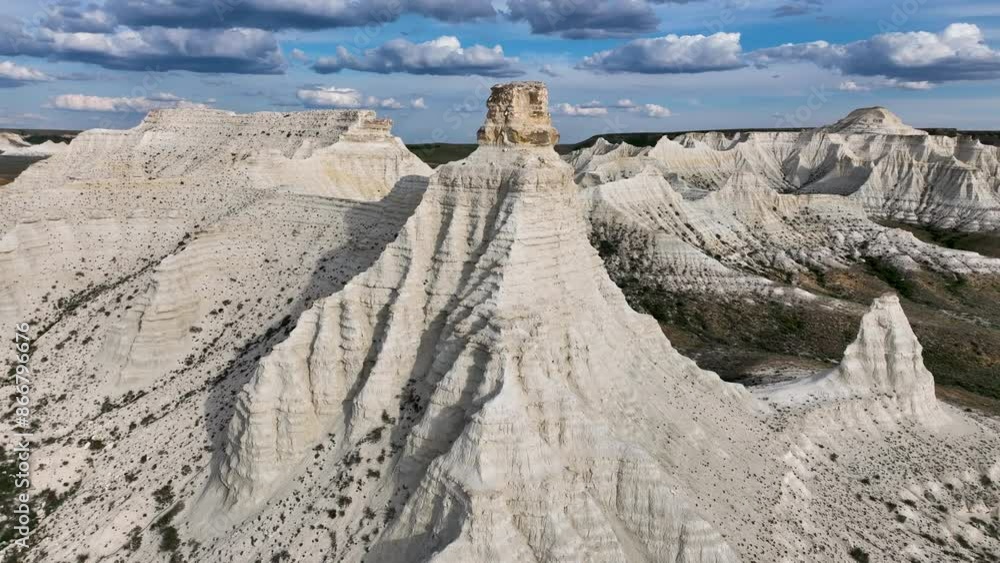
[611, 65]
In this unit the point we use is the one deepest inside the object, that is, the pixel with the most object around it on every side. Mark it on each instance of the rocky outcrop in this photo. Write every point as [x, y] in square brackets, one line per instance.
[118, 205]
[886, 358]
[518, 114]
[448, 374]
[883, 370]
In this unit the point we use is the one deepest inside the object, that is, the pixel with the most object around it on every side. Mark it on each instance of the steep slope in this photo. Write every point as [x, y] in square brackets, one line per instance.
[483, 391]
[121, 201]
[485, 334]
[142, 294]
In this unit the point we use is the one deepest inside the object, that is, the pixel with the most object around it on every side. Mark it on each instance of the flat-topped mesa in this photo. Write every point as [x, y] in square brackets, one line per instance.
[874, 120]
[518, 114]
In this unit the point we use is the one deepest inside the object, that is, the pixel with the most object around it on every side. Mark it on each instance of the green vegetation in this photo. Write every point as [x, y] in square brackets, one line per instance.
[987, 244]
[896, 278]
[436, 154]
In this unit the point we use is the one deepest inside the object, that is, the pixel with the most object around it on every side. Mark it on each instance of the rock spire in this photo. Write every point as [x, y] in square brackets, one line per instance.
[518, 114]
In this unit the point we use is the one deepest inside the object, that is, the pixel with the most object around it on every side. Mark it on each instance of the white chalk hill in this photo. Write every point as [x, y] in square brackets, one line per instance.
[885, 362]
[530, 414]
[484, 393]
[893, 170]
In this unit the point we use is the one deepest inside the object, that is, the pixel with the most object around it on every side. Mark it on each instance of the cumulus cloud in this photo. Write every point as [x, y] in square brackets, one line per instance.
[595, 108]
[285, 14]
[13, 75]
[584, 110]
[142, 104]
[585, 19]
[959, 52]
[672, 54]
[75, 17]
[877, 83]
[241, 51]
[299, 55]
[547, 70]
[852, 86]
[349, 98]
[442, 56]
[654, 110]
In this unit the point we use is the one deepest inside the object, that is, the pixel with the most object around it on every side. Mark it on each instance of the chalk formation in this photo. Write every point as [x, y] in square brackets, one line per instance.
[288, 336]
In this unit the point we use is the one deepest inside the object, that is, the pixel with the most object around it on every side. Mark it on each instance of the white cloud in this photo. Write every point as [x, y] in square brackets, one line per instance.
[349, 98]
[878, 83]
[584, 110]
[141, 104]
[12, 74]
[672, 54]
[442, 56]
[595, 108]
[852, 86]
[299, 55]
[332, 97]
[654, 110]
[915, 59]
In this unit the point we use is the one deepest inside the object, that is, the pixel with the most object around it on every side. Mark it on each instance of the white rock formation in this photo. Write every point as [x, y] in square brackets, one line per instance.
[118, 201]
[489, 347]
[462, 383]
[884, 363]
[482, 392]
[12, 144]
[894, 170]
[732, 240]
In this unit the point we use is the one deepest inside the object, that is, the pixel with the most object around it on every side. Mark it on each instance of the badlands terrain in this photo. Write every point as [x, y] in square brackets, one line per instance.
[283, 337]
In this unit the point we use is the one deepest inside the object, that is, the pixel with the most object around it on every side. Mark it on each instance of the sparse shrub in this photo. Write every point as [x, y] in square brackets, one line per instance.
[134, 539]
[169, 539]
[859, 555]
[163, 496]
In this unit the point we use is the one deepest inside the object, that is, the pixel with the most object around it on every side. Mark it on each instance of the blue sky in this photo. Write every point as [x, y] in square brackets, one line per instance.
[611, 65]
